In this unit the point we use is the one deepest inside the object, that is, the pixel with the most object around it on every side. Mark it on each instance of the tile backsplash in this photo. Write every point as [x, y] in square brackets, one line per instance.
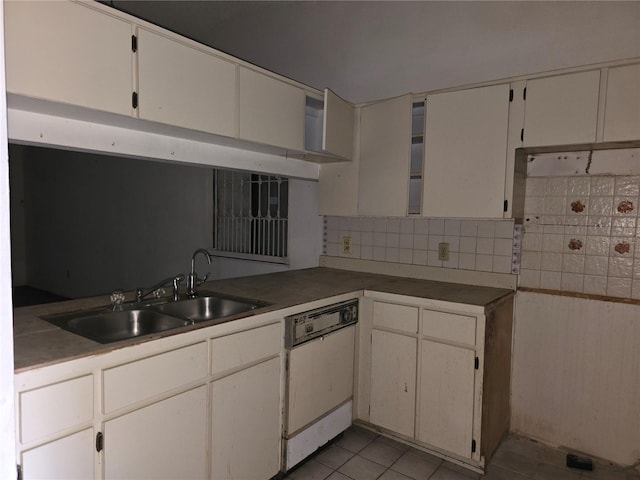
[580, 234]
[481, 245]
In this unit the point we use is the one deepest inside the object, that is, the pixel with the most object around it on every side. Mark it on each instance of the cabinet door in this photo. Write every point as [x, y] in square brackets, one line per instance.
[69, 458]
[337, 126]
[183, 86]
[393, 382]
[385, 153]
[562, 110]
[622, 108]
[446, 397]
[167, 439]
[330, 359]
[68, 52]
[466, 153]
[246, 416]
[271, 111]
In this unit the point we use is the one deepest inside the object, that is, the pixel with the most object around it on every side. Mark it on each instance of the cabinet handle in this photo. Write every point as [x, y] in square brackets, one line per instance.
[99, 442]
[406, 389]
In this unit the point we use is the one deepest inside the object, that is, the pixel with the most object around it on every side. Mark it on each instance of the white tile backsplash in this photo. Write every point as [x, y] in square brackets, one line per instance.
[579, 234]
[481, 245]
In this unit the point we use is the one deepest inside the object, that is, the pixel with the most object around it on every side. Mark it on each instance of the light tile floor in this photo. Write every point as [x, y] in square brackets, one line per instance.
[363, 455]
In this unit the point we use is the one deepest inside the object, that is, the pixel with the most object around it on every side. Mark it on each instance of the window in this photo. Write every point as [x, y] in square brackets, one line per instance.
[251, 216]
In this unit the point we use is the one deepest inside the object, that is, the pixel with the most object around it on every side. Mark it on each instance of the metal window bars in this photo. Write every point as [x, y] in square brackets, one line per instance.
[251, 215]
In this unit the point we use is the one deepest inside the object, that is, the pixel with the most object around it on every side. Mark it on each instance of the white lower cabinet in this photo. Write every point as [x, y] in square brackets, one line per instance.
[246, 407]
[68, 458]
[393, 382]
[166, 439]
[245, 433]
[436, 373]
[207, 407]
[445, 409]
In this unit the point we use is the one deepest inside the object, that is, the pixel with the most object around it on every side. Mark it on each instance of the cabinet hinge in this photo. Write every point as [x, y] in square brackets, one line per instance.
[506, 205]
[476, 363]
[134, 43]
[19, 475]
[522, 134]
[511, 94]
[99, 442]
[134, 99]
[524, 94]
[473, 446]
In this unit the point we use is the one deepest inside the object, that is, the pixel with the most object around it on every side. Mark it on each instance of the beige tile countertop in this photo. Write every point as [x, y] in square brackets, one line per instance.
[38, 343]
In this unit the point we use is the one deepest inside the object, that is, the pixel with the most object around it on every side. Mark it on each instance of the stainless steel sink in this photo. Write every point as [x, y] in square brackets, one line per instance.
[107, 327]
[135, 320]
[208, 307]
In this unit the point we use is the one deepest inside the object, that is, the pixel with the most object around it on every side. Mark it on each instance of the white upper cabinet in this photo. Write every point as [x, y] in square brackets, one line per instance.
[185, 86]
[69, 53]
[329, 126]
[385, 154]
[271, 111]
[622, 109]
[466, 152]
[562, 110]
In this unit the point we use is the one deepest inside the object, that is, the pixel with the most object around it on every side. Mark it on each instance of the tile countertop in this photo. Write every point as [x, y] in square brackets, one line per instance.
[38, 343]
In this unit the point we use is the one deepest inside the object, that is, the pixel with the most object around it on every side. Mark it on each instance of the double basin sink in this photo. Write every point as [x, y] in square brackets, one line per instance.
[135, 320]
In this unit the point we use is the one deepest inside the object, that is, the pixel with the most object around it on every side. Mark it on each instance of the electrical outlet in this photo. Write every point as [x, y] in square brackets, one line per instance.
[443, 251]
[346, 245]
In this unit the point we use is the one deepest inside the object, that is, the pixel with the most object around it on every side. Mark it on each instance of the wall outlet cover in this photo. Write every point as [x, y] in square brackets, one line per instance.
[346, 245]
[443, 251]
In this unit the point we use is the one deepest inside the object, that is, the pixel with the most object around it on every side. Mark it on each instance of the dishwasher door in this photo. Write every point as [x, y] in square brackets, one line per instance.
[320, 378]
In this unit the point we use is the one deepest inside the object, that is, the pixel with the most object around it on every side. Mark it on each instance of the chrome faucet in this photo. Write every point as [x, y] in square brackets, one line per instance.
[173, 281]
[192, 280]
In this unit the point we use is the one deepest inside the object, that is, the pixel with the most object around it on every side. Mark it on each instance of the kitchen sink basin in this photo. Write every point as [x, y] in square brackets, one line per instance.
[107, 327]
[208, 307]
[136, 320]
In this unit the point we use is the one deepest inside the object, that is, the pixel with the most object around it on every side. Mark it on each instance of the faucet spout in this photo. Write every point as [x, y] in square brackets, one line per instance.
[192, 280]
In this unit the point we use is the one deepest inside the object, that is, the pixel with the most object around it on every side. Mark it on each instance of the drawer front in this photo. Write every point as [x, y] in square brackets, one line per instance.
[54, 408]
[449, 326]
[135, 381]
[243, 348]
[398, 317]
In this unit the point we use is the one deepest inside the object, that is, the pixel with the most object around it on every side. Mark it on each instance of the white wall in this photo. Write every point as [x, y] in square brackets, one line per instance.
[7, 413]
[576, 374]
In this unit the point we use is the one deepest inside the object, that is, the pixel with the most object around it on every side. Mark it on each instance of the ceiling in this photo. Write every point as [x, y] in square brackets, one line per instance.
[367, 50]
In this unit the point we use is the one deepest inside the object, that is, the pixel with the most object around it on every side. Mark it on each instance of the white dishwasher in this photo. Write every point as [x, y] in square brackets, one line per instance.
[320, 361]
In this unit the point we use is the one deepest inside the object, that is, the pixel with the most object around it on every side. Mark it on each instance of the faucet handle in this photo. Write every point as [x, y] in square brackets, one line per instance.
[117, 298]
[204, 279]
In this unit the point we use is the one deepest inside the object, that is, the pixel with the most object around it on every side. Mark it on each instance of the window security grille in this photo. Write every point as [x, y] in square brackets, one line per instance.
[251, 215]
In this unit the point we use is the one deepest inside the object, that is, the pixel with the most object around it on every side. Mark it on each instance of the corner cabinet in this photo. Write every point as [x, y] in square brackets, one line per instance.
[185, 86]
[562, 110]
[329, 126]
[385, 155]
[622, 110]
[466, 153]
[70, 53]
[436, 374]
